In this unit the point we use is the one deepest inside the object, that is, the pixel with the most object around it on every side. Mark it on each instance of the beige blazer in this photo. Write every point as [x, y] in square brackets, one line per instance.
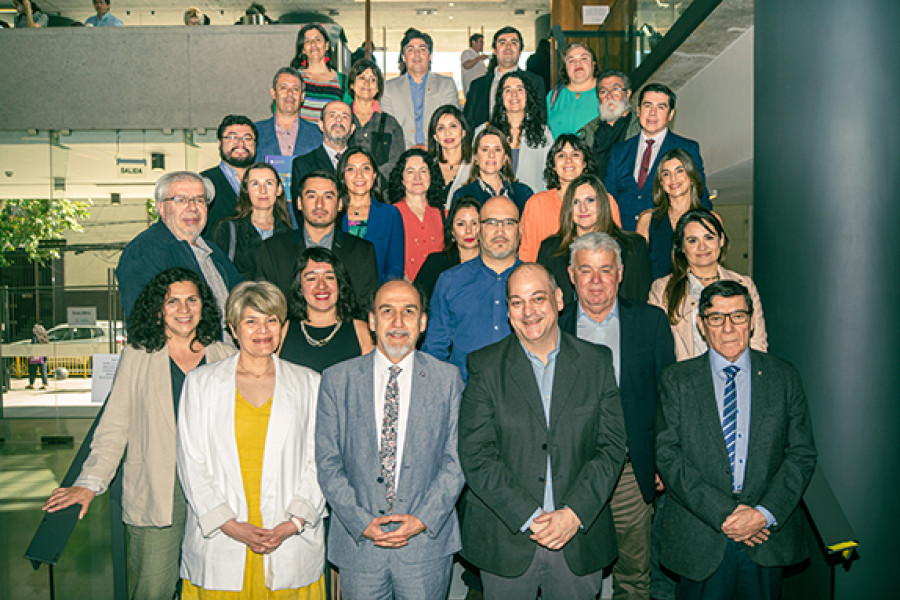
[683, 330]
[140, 414]
[397, 102]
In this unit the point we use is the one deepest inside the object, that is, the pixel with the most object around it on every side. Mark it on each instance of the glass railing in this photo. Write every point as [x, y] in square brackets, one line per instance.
[70, 373]
[637, 33]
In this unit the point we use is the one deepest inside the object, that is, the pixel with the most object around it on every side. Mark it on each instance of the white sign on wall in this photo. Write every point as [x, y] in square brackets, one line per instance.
[103, 369]
[81, 315]
[594, 15]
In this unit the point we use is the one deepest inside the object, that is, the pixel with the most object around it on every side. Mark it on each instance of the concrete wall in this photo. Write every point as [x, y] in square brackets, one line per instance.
[139, 78]
[716, 107]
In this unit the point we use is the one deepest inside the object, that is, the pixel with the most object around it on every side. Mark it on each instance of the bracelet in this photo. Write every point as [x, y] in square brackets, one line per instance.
[301, 525]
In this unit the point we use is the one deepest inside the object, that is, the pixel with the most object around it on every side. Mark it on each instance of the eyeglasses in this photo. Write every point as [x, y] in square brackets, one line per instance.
[616, 89]
[233, 137]
[737, 317]
[183, 201]
[499, 222]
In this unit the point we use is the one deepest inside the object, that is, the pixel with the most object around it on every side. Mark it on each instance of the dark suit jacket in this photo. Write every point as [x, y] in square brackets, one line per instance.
[693, 463]
[153, 251]
[309, 137]
[277, 256]
[620, 182]
[636, 278]
[503, 446]
[479, 101]
[317, 160]
[224, 203]
[646, 348]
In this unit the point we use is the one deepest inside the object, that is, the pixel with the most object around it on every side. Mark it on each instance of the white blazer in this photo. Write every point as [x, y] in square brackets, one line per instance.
[210, 473]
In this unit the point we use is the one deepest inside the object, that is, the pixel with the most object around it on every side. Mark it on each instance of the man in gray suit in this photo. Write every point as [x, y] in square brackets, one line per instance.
[734, 447]
[413, 97]
[387, 459]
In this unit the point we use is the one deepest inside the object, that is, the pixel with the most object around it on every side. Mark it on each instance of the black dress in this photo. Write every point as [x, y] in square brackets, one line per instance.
[660, 247]
[435, 264]
[635, 258]
[298, 350]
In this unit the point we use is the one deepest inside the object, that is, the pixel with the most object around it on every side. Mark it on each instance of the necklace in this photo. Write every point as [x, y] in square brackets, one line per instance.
[707, 279]
[319, 343]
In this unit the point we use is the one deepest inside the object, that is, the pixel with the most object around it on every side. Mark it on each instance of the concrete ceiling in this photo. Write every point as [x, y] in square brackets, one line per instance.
[720, 29]
[449, 26]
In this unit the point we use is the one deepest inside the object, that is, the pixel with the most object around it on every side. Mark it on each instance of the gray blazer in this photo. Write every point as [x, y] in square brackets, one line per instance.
[430, 478]
[693, 463]
[397, 101]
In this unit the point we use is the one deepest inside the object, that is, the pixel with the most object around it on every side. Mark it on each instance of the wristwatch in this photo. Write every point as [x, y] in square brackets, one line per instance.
[301, 525]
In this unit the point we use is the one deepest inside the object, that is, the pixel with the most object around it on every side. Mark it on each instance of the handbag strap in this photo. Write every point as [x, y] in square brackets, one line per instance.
[232, 245]
[376, 142]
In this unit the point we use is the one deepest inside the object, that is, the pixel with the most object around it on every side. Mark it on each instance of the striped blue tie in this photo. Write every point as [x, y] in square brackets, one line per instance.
[729, 413]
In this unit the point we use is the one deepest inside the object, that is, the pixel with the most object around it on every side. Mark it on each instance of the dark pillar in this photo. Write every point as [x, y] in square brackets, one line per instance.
[826, 246]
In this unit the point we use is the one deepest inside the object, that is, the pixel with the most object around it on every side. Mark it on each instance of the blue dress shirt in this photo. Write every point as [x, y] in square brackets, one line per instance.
[742, 382]
[468, 312]
[108, 20]
[417, 91]
[608, 333]
[231, 175]
[544, 375]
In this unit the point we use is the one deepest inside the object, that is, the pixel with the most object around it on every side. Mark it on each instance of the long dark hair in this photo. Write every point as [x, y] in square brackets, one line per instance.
[676, 288]
[533, 127]
[301, 61]
[460, 203]
[346, 155]
[435, 194]
[660, 197]
[434, 148]
[551, 177]
[605, 223]
[146, 328]
[245, 206]
[346, 302]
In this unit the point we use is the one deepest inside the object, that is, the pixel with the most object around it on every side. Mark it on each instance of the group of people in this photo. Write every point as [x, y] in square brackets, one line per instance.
[407, 348]
[29, 14]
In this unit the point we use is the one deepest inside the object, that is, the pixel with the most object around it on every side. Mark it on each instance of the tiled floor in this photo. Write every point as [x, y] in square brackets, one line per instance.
[28, 473]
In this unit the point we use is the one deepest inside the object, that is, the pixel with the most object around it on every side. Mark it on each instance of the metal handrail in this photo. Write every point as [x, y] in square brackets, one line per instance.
[56, 528]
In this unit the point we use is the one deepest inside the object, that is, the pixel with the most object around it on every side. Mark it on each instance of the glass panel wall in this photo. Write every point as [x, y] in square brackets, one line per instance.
[73, 296]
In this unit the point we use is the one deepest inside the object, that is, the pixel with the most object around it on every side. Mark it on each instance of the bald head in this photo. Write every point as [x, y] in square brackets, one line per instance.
[533, 300]
[499, 228]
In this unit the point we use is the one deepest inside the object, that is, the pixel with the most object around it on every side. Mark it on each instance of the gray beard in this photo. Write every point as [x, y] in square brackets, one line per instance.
[337, 142]
[615, 114]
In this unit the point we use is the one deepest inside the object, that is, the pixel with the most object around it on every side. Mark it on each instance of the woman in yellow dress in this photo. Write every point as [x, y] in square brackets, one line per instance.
[246, 460]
